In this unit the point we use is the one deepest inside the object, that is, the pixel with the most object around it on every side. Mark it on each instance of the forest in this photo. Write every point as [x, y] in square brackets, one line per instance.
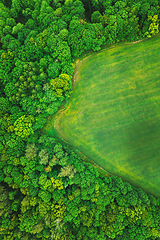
[47, 191]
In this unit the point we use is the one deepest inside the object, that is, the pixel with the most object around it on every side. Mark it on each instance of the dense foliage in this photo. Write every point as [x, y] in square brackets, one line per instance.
[46, 191]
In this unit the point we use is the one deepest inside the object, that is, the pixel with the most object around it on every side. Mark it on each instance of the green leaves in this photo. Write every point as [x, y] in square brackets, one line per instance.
[96, 17]
[4, 105]
[61, 85]
[153, 27]
[53, 70]
[23, 126]
[31, 151]
[132, 198]
[38, 227]
[44, 195]
[58, 12]
[43, 154]
[43, 182]
[68, 171]
[10, 22]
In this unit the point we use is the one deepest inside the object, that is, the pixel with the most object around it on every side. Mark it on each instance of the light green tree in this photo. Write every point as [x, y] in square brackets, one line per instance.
[61, 85]
[153, 27]
[17, 28]
[31, 151]
[67, 171]
[23, 126]
[43, 154]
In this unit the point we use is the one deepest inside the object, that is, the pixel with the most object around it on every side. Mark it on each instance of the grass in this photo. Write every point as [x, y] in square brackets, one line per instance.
[113, 115]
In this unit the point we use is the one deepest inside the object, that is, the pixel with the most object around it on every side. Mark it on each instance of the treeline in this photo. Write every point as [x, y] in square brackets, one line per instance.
[46, 191]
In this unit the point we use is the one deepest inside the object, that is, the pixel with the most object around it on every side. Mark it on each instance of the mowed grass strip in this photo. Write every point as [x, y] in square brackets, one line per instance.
[114, 112]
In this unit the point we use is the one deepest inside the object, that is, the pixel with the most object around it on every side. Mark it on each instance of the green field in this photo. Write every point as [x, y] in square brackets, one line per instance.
[113, 115]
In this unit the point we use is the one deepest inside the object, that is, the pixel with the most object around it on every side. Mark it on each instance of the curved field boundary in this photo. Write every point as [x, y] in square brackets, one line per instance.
[118, 127]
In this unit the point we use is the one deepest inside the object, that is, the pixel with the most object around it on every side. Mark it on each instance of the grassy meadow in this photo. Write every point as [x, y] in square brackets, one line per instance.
[113, 115]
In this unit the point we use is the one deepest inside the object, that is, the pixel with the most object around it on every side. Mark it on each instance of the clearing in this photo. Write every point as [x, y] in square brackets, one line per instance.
[113, 115]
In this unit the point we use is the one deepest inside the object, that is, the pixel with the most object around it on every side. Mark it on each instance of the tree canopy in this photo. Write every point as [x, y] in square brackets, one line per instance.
[47, 191]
